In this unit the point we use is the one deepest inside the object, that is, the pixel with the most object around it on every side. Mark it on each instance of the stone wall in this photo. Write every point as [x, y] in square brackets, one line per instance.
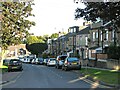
[109, 64]
[100, 56]
[114, 64]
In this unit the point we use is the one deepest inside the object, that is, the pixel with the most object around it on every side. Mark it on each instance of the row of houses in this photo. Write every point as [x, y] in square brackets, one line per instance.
[89, 41]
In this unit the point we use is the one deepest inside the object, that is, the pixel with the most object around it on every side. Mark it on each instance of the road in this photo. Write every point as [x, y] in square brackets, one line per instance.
[40, 76]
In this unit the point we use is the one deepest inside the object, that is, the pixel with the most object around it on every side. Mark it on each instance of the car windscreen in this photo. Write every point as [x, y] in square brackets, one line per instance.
[14, 61]
[52, 59]
[5, 61]
[41, 59]
[62, 57]
[73, 59]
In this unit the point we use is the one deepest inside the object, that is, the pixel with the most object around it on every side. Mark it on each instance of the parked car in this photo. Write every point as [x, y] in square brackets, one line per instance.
[60, 60]
[26, 59]
[36, 61]
[51, 62]
[33, 61]
[21, 58]
[40, 61]
[6, 62]
[71, 63]
[45, 61]
[15, 64]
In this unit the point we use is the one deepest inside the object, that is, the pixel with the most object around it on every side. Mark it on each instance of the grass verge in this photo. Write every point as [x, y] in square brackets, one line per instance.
[110, 77]
[3, 69]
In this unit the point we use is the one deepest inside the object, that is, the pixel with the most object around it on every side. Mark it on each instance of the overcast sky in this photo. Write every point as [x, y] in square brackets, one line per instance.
[52, 16]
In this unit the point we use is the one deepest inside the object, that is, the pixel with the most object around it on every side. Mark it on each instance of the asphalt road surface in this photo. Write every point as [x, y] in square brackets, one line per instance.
[40, 76]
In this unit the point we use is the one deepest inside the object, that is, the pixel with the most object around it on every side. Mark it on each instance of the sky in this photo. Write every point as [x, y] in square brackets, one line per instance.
[53, 16]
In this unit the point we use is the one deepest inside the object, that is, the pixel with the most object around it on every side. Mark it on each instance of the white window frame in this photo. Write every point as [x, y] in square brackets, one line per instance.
[86, 40]
[107, 35]
[93, 36]
[96, 34]
[101, 36]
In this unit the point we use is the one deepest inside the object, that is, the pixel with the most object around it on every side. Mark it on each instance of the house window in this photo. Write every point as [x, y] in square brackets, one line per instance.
[80, 40]
[107, 35]
[86, 40]
[74, 30]
[96, 34]
[101, 35]
[93, 36]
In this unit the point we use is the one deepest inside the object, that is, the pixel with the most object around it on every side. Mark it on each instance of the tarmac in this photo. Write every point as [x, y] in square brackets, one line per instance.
[8, 77]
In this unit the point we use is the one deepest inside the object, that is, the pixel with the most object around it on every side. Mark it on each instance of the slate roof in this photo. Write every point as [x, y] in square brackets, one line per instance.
[84, 31]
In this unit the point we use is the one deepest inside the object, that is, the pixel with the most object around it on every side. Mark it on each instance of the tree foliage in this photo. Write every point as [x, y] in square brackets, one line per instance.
[45, 37]
[54, 35]
[106, 11]
[114, 52]
[36, 48]
[34, 39]
[15, 25]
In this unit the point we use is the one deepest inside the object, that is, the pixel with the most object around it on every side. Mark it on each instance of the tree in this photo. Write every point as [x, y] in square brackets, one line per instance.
[54, 35]
[15, 25]
[45, 37]
[34, 39]
[37, 48]
[113, 52]
[106, 11]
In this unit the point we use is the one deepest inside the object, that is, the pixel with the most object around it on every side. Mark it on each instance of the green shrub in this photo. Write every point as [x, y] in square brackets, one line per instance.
[113, 52]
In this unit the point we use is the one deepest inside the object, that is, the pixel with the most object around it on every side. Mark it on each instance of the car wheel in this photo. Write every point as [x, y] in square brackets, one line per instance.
[55, 66]
[79, 68]
[65, 68]
[62, 67]
[8, 70]
[21, 69]
[58, 67]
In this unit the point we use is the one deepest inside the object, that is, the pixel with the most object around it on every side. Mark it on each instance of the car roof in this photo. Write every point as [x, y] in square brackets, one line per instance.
[14, 59]
[6, 59]
[62, 55]
[52, 58]
[72, 57]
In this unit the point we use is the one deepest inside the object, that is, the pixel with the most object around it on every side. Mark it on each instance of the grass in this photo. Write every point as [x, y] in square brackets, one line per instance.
[111, 77]
[3, 69]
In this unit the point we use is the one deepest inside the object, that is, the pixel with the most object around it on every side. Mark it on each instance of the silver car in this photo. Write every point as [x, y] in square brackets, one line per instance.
[60, 60]
[71, 63]
[51, 62]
